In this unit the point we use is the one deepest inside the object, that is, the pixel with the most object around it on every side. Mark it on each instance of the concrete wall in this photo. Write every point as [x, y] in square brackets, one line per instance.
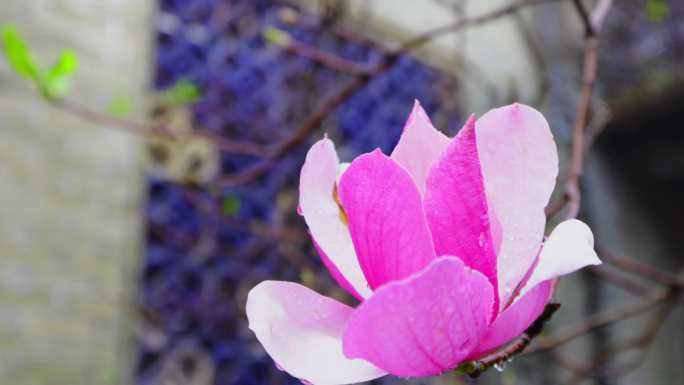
[494, 62]
[70, 195]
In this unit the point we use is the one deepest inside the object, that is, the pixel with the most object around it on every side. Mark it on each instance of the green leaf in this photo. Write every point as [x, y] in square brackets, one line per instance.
[277, 36]
[657, 10]
[183, 92]
[57, 79]
[120, 106]
[231, 205]
[17, 53]
[54, 82]
[65, 66]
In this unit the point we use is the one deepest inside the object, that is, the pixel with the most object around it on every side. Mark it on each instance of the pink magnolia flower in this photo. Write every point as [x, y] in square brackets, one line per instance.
[442, 242]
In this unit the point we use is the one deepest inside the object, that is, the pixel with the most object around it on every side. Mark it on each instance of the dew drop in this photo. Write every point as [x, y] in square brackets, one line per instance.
[500, 366]
[481, 240]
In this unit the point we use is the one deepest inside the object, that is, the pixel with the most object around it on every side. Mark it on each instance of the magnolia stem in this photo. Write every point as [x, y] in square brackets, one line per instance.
[475, 368]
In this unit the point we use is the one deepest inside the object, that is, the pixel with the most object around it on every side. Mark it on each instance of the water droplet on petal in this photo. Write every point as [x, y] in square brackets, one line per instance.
[500, 366]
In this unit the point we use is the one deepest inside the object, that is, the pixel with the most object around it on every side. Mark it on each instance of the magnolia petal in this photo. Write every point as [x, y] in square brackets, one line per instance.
[302, 330]
[335, 272]
[515, 319]
[386, 219]
[423, 325]
[570, 247]
[322, 215]
[420, 145]
[456, 206]
[519, 165]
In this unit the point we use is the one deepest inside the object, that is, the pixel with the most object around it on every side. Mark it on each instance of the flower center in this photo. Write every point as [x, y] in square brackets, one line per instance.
[343, 215]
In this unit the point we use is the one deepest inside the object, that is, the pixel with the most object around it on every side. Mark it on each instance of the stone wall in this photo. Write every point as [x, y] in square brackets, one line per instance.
[70, 195]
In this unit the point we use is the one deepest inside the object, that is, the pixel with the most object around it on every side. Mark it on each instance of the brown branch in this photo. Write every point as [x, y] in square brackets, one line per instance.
[640, 268]
[475, 368]
[387, 62]
[627, 284]
[155, 130]
[640, 342]
[270, 153]
[599, 320]
[326, 59]
[572, 186]
[572, 195]
[299, 135]
[505, 10]
[583, 13]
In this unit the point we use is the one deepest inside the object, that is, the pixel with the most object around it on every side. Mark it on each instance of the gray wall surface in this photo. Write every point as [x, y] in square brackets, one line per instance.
[70, 195]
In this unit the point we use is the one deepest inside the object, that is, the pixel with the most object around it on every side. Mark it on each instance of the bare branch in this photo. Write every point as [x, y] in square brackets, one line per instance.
[512, 7]
[583, 13]
[572, 197]
[640, 342]
[600, 320]
[629, 285]
[326, 59]
[640, 268]
[475, 368]
[387, 62]
[572, 186]
[297, 136]
[151, 130]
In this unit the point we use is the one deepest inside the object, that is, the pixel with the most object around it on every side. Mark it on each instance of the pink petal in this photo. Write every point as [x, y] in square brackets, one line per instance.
[420, 146]
[302, 330]
[386, 219]
[515, 319]
[456, 206]
[322, 215]
[423, 325]
[519, 164]
[570, 247]
[335, 272]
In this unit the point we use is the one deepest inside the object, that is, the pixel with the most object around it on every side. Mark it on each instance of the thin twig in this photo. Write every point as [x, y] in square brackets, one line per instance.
[628, 284]
[640, 342]
[572, 186]
[640, 268]
[387, 62]
[270, 153]
[326, 59]
[583, 13]
[506, 10]
[572, 195]
[299, 135]
[475, 368]
[150, 129]
[599, 320]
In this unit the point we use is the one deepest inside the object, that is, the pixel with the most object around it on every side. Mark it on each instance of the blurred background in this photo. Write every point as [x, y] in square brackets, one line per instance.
[126, 257]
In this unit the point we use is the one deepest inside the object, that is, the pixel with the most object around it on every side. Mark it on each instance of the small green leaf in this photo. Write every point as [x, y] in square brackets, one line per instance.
[65, 66]
[657, 10]
[54, 88]
[57, 79]
[120, 106]
[183, 92]
[18, 54]
[231, 205]
[277, 36]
